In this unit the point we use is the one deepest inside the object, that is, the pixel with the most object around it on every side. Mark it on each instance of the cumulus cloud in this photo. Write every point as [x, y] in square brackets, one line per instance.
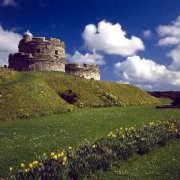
[170, 34]
[8, 3]
[147, 74]
[8, 44]
[147, 34]
[169, 41]
[111, 39]
[87, 58]
[175, 55]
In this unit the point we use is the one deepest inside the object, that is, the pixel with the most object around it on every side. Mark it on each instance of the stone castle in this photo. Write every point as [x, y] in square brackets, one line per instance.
[39, 54]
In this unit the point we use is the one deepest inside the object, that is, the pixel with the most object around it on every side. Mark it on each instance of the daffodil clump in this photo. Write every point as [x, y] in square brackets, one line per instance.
[100, 154]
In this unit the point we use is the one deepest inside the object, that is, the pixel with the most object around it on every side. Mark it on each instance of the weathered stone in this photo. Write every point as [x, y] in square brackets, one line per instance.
[37, 53]
[85, 71]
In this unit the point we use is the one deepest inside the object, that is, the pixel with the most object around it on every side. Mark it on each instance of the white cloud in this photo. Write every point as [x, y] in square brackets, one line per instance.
[175, 55]
[87, 58]
[170, 34]
[8, 3]
[147, 74]
[111, 39]
[147, 34]
[9, 41]
[169, 41]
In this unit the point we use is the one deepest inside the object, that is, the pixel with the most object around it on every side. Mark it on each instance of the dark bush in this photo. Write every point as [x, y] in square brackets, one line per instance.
[176, 101]
[70, 96]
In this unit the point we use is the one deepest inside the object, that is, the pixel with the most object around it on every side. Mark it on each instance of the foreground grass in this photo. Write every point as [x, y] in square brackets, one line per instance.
[24, 140]
[160, 164]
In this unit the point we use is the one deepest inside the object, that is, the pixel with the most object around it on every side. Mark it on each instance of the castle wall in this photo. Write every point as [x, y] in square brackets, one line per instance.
[46, 66]
[85, 71]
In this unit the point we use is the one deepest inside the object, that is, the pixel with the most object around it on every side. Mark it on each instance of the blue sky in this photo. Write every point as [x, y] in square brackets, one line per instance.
[136, 41]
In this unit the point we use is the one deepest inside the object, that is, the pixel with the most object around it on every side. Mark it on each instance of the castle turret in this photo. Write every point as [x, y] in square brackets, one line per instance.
[27, 36]
[38, 54]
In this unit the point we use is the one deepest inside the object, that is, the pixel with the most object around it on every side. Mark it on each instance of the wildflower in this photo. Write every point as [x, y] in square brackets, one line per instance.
[44, 154]
[26, 170]
[70, 148]
[55, 157]
[35, 162]
[94, 146]
[113, 135]
[64, 158]
[52, 153]
[10, 168]
[22, 165]
[31, 165]
[60, 154]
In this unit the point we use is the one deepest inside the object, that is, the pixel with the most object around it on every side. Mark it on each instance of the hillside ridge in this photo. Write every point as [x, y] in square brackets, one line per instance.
[24, 94]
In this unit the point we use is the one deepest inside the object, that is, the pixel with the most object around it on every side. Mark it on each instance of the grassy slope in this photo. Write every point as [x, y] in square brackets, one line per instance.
[25, 94]
[21, 141]
[160, 164]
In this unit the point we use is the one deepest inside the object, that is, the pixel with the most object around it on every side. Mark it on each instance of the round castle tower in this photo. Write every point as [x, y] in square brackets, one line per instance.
[38, 54]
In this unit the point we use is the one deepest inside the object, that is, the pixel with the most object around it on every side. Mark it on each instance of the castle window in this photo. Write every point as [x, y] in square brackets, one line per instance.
[56, 52]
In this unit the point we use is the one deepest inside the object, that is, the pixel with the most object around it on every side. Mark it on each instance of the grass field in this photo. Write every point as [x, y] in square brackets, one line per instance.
[25, 140]
[161, 164]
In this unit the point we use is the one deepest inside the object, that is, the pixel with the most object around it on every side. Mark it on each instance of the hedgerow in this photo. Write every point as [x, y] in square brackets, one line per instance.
[100, 154]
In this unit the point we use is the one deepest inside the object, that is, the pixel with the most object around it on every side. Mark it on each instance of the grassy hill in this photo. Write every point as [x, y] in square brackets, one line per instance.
[24, 94]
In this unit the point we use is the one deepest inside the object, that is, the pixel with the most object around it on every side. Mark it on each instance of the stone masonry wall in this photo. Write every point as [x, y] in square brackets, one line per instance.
[85, 71]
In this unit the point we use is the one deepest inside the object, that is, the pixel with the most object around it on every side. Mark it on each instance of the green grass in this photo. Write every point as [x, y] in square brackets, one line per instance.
[26, 94]
[24, 140]
[160, 164]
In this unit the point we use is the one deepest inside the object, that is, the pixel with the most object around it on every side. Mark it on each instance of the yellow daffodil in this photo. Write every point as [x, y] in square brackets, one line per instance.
[10, 168]
[60, 154]
[55, 157]
[26, 170]
[94, 146]
[31, 165]
[35, 162]
[64, 158]
[52, 153]
[22, 165]
[70, 148]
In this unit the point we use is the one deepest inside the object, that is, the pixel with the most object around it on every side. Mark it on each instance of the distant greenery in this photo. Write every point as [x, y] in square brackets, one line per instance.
[101, 153]
[26, 94]
[23, 141]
